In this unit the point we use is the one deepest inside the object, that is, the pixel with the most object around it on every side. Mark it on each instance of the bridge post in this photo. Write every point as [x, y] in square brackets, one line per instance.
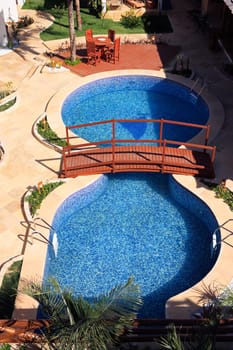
[207, 136]
[113, 144]
[161, 131]
[67, 135]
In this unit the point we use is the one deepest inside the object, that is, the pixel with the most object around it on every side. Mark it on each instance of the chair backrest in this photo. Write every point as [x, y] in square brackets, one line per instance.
[89, 34]
[91, 49]
[111, 35]
[117, 42]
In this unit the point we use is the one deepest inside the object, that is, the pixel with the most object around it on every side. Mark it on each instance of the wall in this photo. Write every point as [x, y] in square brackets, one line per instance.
[10, 10]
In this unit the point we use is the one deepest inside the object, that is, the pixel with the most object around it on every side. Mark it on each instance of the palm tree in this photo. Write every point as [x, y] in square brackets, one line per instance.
[71, 30]
[217, 304]
[78, 15]
[81, 325]
[172, 341]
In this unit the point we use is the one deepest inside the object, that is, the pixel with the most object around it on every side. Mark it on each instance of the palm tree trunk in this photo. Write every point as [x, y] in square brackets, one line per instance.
[71, 31]
[78, 15]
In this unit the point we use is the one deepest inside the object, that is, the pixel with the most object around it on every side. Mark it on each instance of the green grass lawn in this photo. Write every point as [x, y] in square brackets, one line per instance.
[59, 30]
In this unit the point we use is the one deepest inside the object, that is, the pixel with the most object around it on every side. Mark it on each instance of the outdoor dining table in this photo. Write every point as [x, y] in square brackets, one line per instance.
[101, 43]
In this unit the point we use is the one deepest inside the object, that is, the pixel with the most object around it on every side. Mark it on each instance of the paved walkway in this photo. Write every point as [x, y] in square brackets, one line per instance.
[27, 162]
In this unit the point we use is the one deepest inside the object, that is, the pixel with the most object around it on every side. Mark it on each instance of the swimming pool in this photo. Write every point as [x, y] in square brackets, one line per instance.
[141, 225]
[165, 243]
[134, 97]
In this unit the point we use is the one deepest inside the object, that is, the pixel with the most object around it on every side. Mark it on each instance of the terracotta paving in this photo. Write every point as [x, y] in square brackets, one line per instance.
[132, 56]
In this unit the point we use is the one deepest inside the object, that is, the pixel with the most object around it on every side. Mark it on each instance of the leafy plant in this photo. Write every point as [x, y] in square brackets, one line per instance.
[221, 191]
[49, 135]
[78, 324]
[72, 63]
[172, 341]
[6, 90]
[36, 197]
[8, 290]
[182, 66]
[130, 20]
[5, 346]
[24, 21]
[7, 105]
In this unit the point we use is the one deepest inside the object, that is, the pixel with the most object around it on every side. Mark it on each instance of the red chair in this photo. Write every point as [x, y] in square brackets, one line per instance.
[113, 54]
[89, 34]
[93, 55]
[111, 35]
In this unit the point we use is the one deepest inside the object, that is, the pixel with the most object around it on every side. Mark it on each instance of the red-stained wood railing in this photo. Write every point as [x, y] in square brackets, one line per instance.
[112, 157]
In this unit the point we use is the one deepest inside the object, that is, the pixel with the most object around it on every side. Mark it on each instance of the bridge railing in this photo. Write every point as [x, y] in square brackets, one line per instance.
[160, 122]
[114, 141]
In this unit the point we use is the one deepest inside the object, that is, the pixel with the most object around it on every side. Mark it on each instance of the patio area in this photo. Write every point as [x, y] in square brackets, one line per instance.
[132, 56]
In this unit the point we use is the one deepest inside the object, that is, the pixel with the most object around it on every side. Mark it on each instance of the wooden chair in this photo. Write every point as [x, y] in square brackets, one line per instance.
[89, 34]
[93, 55]
[111, 35]
[113, 54]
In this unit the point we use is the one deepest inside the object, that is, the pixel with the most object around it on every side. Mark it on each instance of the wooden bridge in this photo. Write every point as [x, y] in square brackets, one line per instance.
[137, 155]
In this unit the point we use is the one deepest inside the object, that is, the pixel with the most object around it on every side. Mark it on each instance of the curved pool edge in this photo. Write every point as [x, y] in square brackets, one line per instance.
[36, 252]
[216, 111]
[184, 304]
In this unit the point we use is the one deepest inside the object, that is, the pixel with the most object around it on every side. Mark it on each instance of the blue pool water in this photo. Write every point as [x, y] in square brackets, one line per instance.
[134, 97]
[141, 225]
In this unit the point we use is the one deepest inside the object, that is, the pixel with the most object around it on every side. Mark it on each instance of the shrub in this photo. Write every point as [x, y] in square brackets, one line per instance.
[6, 90]
[221, 191]
[72, 63]
[7, 105]
[49, 135]
[8, 291]
[36, 197]
[5, 347]
[130, 20]
[24, 21]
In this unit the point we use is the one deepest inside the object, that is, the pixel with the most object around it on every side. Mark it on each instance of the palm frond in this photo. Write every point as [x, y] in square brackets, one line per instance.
[123, 300]
[77, 324]
[172, 341]
[209, 293]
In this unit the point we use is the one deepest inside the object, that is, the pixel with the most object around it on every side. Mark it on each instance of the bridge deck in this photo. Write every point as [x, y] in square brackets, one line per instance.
[136, 158]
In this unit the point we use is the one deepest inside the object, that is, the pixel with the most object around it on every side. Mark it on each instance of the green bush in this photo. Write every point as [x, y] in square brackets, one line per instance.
[36, 197]
[6, 90]
[8, 290]
[48, 134]
[5, 347]
[72, 63]
[7, 105]
[221, 191]
[129, 20]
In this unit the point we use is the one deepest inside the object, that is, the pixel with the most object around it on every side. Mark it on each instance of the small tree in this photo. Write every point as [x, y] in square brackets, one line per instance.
[217, 304]
[81, 325]
[78, 15]
[71, 30]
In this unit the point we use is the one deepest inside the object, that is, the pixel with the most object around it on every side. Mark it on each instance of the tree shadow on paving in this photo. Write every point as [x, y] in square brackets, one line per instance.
[168, 53]
[156, 23]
